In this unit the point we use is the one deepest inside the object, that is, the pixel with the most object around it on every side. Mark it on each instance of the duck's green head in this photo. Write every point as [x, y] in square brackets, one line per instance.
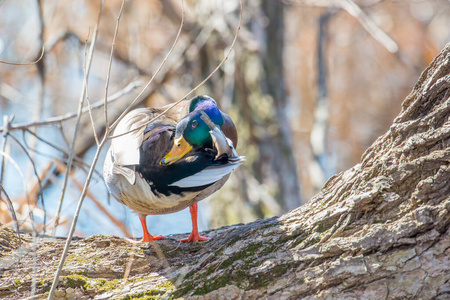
[192, 132]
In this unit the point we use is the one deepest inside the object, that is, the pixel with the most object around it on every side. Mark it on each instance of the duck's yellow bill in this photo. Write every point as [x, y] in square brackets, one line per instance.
[179, 149]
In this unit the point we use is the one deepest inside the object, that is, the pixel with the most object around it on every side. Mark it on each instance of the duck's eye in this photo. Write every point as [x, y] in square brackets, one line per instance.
[194, 124]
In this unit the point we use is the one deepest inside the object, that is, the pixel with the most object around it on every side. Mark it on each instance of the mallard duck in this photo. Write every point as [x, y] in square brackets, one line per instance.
[173, 162]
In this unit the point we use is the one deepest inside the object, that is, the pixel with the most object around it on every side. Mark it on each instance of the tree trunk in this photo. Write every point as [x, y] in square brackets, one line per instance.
[274, 83]
[378, 230]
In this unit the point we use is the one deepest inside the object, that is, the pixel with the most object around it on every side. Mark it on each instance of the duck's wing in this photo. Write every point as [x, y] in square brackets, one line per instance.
[126, 150]
[208, 175]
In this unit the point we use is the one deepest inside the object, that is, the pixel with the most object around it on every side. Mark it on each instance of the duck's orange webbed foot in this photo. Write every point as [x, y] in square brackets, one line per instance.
[151, 238]
[147, 237]
[195, 237]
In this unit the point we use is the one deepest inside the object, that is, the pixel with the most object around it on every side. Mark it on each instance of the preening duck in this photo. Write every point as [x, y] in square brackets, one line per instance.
[172, 163]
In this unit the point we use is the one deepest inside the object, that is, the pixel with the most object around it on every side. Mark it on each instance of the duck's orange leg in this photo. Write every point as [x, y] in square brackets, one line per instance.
[194, 236]
[146, 236]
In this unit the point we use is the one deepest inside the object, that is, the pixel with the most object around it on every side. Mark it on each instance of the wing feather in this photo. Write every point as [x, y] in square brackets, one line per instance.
[208, 175]
[125, 148]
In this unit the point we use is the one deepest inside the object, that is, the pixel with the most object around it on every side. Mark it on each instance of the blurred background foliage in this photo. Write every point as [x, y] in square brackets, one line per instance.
[309, 84]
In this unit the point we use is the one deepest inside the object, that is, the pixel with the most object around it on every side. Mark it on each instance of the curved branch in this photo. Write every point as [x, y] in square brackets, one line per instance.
[41, 190]
[12, 210]
[25, 64]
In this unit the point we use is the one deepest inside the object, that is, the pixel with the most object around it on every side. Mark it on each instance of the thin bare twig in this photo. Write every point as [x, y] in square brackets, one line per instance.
[354, 10]
[80, 108]
[79, 161]
[13, 212]
[195, 88]
[40, 65]
[369, 25]
[60, 127]
[75, 217]
[50, 121]
[41, 190]
[157, 71]
[45, 142]
[87, 182]
[108, 76]
[25, 64]
[6, 127]
[37, 112]
[25, 189]
[87, 91]
[86, 74]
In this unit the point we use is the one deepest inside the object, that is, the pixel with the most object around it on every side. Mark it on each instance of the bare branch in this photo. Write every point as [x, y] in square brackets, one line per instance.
[16, 166]
[24, 126]
[195, 88]
[80, 109]
[41, 191]
[88, 179]
[6, 127]
[156, 73]
[108, 76]
[369, 25]
[13, 212]
[25, 64]
[354, 10]
[75, 217]
[87, 91]
[78, 160]
[223, 60]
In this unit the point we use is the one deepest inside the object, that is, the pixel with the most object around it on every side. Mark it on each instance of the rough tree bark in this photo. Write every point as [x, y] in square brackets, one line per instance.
[378, 230]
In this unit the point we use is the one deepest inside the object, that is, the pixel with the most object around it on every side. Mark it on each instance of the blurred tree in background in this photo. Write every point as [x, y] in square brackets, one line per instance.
[310, 85]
